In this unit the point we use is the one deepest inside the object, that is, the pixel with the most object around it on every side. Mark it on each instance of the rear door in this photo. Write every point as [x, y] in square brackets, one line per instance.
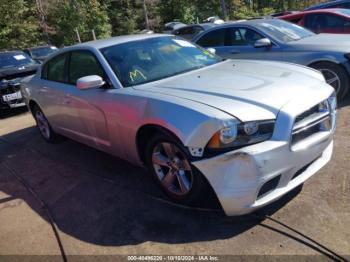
[52, 87]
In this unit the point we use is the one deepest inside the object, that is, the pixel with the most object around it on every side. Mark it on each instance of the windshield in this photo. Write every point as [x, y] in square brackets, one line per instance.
[42, 51]
[153, 59]
[284, 31]
[8, 60]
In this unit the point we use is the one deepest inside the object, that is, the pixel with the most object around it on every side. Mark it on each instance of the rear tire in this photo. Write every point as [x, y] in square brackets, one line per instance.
[43, 125]
[336, 76]
[170, 165]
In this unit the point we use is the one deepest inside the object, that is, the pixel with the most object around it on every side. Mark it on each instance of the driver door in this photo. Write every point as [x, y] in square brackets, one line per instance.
[85, 119]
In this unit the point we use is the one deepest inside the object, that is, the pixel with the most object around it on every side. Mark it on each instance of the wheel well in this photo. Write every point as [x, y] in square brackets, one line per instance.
[145, 133]
[322, 61]
[32, 104]
[326, 61]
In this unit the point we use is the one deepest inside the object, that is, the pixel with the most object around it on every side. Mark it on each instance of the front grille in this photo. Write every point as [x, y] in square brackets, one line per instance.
[314, 120]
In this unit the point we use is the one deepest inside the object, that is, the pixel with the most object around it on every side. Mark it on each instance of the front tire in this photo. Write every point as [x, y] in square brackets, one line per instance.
[336, 76]
[170, 165]
[43, 125]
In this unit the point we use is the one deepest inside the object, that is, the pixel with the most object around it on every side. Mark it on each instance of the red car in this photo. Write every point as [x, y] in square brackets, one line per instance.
[334, 21]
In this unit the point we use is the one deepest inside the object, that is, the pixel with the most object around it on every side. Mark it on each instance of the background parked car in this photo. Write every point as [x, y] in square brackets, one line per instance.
[334, 21]
[40, 53]
[14, 66]
[331, 4]
[171, 26]
[275, 39]
[190, 31]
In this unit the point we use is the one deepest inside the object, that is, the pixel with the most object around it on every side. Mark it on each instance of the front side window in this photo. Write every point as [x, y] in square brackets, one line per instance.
[152, 59]
[244, 37]
[284, 31]
[54, 70]
[213, 38]
[83, 63]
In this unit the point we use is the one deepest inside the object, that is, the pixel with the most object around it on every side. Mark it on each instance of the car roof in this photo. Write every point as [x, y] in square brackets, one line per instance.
[98, 44]
[327, 5]
[317, 11]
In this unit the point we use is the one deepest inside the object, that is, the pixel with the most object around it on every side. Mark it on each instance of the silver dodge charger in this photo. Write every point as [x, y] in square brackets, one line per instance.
[249, 130]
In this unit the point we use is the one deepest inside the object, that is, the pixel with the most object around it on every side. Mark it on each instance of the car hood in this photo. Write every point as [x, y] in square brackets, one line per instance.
[17, 72]
[248, 90]
[322, 42]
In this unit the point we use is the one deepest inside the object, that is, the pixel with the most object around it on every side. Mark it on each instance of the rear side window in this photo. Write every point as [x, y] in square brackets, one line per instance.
[213, 38]
[83, 63]
[324, 21]
[54, 70]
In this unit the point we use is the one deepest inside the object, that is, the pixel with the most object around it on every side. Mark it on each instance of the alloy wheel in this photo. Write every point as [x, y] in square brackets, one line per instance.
[331, 78]
[172, 168]
[43, 124]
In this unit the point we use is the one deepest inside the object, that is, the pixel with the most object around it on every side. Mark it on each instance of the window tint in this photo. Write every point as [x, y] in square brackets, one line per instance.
[55, 69]
[244, 37]
[344, 5]
[83, 63]
[324, 21]
[213, 38]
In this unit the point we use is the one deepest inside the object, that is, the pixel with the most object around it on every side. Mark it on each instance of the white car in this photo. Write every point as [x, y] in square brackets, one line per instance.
[251, 130]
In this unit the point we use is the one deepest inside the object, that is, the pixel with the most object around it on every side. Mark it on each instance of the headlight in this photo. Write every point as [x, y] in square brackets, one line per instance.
[242, 134]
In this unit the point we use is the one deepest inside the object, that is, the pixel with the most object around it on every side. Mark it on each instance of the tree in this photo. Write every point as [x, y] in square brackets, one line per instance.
[81, 15]
[19, 24]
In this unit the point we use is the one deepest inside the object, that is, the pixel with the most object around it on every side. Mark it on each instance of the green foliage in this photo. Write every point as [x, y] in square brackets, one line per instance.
[82, 15]
[19, 25]
[22, 26]
[124, 16]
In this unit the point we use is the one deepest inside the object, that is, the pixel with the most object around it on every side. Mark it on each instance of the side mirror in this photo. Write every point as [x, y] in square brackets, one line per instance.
[263, 42]
[88, 82]
[211, 50]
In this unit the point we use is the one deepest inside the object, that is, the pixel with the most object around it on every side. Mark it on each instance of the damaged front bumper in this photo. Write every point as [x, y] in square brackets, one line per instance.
[241, 178]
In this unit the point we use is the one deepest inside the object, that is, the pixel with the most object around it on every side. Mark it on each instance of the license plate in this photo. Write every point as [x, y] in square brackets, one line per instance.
[13, 96]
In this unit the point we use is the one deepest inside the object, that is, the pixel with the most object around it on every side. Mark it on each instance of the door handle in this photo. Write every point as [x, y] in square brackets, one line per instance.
[66, 100]
[43, 89]
[234, 52]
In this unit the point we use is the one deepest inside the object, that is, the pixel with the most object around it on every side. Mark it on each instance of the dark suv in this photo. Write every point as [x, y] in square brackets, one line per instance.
[14, 66]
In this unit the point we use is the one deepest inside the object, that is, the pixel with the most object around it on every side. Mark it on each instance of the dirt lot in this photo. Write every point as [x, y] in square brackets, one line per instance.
[68, 199]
